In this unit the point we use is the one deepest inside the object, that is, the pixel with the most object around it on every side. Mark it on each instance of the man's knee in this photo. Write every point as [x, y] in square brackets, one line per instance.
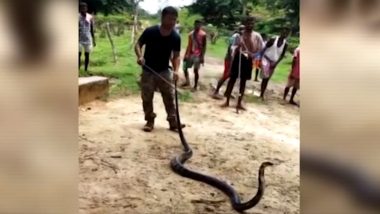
[147, 91]
[233, 79]
[196, 67]
[167, 94]
[147, 94]
[147, 83]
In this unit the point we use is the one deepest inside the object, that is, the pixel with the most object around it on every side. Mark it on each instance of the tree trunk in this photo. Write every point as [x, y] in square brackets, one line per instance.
[244, 7]
[111, 41]
[134, 27]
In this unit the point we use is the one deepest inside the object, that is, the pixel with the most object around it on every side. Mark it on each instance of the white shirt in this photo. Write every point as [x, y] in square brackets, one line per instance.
[274, 52]
[85, 29]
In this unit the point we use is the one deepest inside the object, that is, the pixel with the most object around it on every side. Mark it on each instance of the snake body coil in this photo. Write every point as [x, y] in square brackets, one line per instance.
[177, 165]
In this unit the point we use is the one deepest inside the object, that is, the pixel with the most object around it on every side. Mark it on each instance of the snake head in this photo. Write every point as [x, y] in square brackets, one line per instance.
[267, 163]
[276, 162]
[262, 168]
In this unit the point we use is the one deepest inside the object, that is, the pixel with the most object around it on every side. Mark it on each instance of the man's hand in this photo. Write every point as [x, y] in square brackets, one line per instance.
[202, 60]
[141, 61]
[175, 76]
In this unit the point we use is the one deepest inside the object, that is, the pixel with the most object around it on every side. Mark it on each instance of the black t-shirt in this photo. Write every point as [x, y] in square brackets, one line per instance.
[158, 48]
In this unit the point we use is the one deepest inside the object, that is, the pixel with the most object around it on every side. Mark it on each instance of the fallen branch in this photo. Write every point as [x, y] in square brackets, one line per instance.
[87, 140]
[110, 165]
[203, 201]
[116, 156]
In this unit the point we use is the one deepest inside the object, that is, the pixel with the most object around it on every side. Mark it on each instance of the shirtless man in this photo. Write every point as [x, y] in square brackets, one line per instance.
[246, 48]
[227, 62]
[294, 77]
[195, 52]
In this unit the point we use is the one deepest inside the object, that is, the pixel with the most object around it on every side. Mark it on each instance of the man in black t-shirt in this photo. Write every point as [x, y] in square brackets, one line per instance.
[161, 41]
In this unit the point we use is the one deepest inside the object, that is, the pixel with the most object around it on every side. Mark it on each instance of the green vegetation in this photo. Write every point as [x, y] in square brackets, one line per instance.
[283, 69]
[250, 98]
[185, 96]
[221, 17]
[125, 71]
[227, 14]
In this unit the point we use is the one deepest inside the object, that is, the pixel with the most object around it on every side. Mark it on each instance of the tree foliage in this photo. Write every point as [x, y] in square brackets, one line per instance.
[109, 6]
[221, 13]
[291, 11]
[227, 14]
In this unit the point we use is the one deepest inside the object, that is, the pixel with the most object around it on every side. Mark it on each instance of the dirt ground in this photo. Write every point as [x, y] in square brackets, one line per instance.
[125, 170]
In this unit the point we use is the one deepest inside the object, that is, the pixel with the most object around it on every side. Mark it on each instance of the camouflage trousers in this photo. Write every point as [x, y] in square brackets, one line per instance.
[149, 83]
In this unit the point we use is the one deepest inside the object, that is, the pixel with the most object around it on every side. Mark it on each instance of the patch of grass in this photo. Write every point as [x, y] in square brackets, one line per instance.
[282, 71]
[249, 98]
[186, 96]
[125, 70]
[217, 50]
[82, 73]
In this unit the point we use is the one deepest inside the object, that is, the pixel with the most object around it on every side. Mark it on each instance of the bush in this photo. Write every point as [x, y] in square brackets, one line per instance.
[293, 43]
[118, 23]
[125, 19]
[186, 20]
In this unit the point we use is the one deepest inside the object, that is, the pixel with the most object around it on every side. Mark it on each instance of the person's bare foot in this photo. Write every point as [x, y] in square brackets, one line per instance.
[225, 105]
[185, 84]
[293, 103]
[241, 107]
[217, 96]
[231, 96]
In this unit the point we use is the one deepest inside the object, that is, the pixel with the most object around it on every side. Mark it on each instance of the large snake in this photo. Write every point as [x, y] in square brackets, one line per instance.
[177, 164]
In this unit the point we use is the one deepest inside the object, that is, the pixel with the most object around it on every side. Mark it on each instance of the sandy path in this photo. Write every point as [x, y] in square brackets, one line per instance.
[230, 147]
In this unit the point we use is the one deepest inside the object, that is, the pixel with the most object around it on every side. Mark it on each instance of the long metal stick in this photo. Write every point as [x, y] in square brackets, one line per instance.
[239, 94]
[158, 75]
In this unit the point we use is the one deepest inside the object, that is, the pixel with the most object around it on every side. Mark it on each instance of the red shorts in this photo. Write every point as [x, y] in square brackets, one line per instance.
[227, 65]
[257, 63]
